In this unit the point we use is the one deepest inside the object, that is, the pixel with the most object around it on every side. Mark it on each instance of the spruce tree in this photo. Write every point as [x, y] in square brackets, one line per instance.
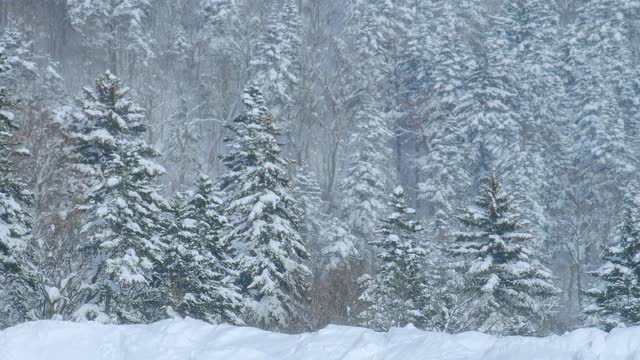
[528, 29]
[443, 173]
[616, 299]
[13, 193]
[200, 266]
[114, 31]
[123, 213]
[264, 219]
[363, 185]
[276, 66]
[397, 294]
[16, 279]
[488, 111]
[507, 283]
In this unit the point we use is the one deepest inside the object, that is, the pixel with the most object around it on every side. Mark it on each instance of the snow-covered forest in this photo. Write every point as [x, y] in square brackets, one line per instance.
[287, 164]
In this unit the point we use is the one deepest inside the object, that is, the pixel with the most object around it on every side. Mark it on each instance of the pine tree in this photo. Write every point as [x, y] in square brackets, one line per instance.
[442, 168]
[264, 219]
[377, 29]
[276, 66]
[115, 30]
[488, 111]
[200, 266]
[508, 284]
[123, 212]
[599, 162]
[16, 280]
[363, 185]
[397, 294]
[530, 43]
[616, 301]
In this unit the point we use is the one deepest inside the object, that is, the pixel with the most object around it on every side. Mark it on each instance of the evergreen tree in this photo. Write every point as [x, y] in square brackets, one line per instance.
[600, 161]
[276, 66]
[488, 111]
[442, 168]
[397, 294]
[200, 266]
[364, 183]
[616, 301]
[123, 212]
[16, 280]
[115, 30]
[264, 219]
[530, 43]
[508, 284]
[378, 29]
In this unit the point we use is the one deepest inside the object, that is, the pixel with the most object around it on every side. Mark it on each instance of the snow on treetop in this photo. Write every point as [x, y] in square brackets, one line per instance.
[491, 284]
[481, 265]
[252, 97]
[7, 115]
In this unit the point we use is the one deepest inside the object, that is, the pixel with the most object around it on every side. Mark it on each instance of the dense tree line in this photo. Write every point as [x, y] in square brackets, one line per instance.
[259, 163]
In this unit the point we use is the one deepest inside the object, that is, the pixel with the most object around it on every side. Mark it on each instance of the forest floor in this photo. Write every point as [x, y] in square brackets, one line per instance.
[195, 340]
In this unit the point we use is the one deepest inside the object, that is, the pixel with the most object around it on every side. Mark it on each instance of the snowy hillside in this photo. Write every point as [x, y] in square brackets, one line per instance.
[191, 339]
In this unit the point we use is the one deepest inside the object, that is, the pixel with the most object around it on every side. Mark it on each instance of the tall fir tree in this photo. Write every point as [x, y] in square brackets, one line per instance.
[600, 161]
[488, 110]
[502, 275]
[443, 176]
[16, 279]
[530, 44]
[616, 299]
[116, 31]
[199, 264]
[123, 213]
[364, 183]
[264, 219]
[276, 66]
[397, 295]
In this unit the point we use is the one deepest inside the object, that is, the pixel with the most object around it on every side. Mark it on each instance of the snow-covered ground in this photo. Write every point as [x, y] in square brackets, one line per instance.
[191, 340]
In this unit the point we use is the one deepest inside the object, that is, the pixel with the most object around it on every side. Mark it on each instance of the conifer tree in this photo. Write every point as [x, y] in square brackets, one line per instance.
[16, 281]
[443, 170]
[528, 29]
[507, 283]
[264, 219]
[397, 294]
[115, 30]
[276, 67]
[123, 213]
[200, 265]
[602, 124]
[488, 111]
[364, 183]
[616, 299]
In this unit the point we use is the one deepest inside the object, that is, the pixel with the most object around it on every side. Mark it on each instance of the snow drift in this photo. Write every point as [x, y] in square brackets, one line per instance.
[194, 340]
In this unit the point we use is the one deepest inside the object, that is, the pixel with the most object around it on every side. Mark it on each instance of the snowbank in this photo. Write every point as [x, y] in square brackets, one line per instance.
[191, 340]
